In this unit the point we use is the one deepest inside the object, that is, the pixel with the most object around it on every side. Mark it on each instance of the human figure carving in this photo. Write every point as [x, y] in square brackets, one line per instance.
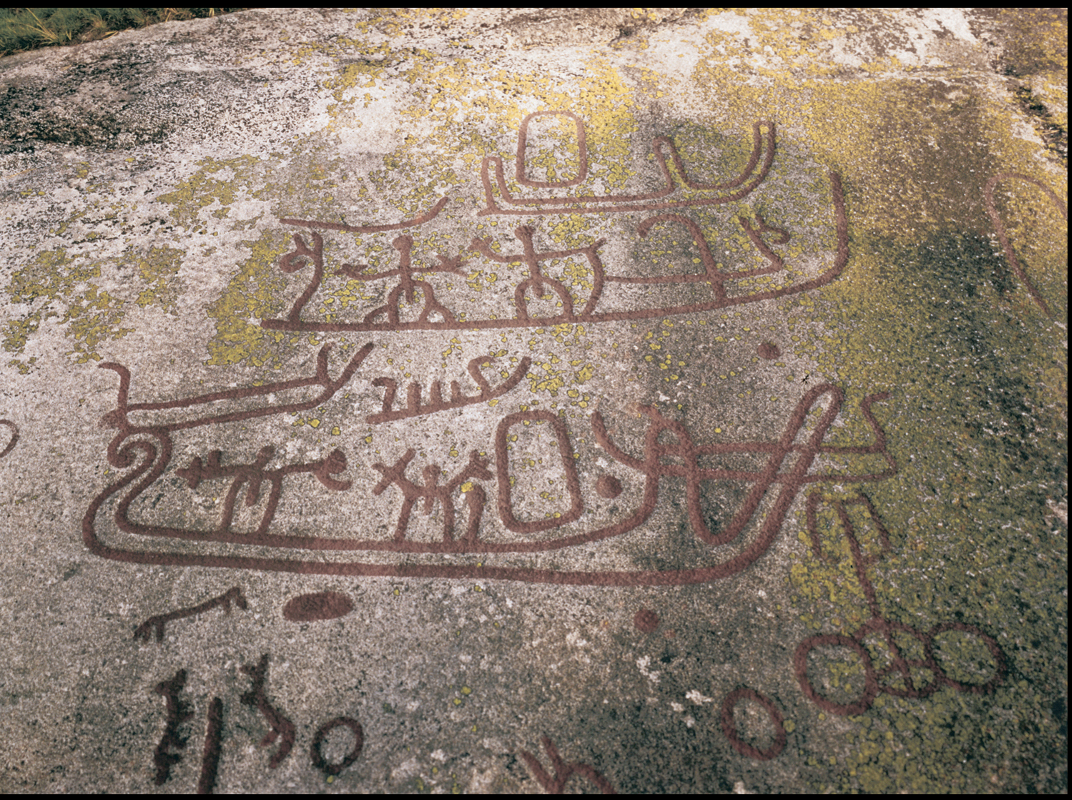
[668, 449]
[538, 282]
[178, 711]
[279, 726]
[432, 492]
[407, 287]
[712, 282]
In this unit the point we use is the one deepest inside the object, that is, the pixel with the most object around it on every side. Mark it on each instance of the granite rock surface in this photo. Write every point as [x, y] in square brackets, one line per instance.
[523, 400]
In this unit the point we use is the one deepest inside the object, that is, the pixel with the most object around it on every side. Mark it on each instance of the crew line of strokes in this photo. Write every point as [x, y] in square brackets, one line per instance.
[713, 281]
[143, 446]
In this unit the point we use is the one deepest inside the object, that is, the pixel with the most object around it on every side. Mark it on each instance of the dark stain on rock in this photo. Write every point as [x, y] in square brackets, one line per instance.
[317, 606]
[646, 620]
[1055, 136]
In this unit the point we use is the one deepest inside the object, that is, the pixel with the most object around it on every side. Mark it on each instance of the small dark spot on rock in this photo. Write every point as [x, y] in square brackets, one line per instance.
[608, 486]
[646, 621]
[769, 351]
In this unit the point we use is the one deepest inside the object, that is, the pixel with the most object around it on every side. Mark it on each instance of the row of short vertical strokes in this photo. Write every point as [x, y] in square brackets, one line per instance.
[153, 451]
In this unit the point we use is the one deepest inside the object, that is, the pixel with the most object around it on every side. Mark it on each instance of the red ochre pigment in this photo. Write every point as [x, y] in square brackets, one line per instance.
[148, 449]
[143, 445]
[155, 625]
[322, 732]
[769, 351]
[556, 784]
[729, 725]
[608, 486]
[904, 670]
[14, 437]
[646, 621]
[1003, 236]
[317, 606]
[436, 316]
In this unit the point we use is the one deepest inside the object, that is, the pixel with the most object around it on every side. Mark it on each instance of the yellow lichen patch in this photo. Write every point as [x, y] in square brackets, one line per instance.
[566, 231]
[94, 319]
[216, 181]
[547, 377]
[448, 96]
[46, 277]
[56, 285]
[1036, 39]
[158, 269]
[584, 373]
[672, 366]
[608, 105]
[351, 293]
[253, 293]
[361, 75]
[565, 365]
[928, 309]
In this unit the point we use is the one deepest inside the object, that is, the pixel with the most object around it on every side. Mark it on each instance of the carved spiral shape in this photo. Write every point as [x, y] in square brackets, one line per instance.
[123, 449]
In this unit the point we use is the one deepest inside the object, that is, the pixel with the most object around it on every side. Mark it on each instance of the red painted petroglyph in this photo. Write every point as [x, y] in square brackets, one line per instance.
[562, 771]
[668, 450]
[14, 436]
[434, 314]
[763, 146]
[538, 283]
[646, 621]
[1003, 236]
[155, 625]
[322, 732]
[279, 727]
[317, 606]
[769, 351]
[900, 667]
[729, 725]
[253, 475]
[415, 408]
[431, 492]
[569, 466]
[712, 282]
[608, 486]
[143, 445]
[428, 216]
[522, 142]
[681, 457]
[153, 445]
[120, 418]
[210, 754]
[711, 277]
[407, 288]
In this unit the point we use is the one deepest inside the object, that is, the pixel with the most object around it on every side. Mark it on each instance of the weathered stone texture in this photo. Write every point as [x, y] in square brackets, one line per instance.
[525, 399]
